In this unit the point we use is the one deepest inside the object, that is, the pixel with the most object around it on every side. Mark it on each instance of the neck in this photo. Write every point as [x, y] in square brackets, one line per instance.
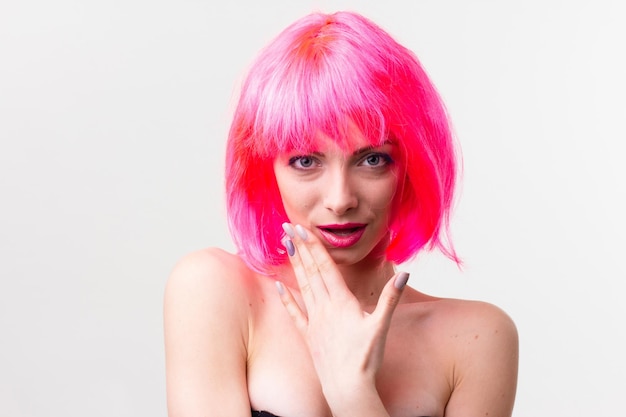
[366, 280]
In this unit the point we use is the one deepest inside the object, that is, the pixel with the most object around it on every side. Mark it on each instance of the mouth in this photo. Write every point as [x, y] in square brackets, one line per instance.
[342, 235]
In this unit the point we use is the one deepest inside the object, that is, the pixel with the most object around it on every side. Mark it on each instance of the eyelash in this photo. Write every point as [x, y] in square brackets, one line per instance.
[295, 159]
[385, 157]
[386, 160]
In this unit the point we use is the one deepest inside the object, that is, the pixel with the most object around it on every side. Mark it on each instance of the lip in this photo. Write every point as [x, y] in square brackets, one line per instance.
[342, 235]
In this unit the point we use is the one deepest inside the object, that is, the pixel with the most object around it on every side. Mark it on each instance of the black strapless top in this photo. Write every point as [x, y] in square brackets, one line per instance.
[262, 414]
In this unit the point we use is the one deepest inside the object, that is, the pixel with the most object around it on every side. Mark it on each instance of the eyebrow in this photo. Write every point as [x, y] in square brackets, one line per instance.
[371, 147]
[361, 150]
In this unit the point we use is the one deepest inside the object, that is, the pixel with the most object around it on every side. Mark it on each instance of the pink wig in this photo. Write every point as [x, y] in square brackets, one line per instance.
[320, 74]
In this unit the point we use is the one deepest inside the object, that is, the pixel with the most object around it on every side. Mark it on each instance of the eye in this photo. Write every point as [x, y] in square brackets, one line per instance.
[377, 160]
[302, 161]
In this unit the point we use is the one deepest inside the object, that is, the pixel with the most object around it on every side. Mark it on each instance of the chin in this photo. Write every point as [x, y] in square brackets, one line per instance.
[343, 257]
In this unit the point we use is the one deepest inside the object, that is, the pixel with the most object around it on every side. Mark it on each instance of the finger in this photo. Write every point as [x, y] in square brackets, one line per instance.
[390, 296]
[304, 265]
[327, 269]
[301, 278]
[293, 309]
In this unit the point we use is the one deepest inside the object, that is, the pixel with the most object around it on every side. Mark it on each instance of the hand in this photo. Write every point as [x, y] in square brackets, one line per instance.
[346, 343]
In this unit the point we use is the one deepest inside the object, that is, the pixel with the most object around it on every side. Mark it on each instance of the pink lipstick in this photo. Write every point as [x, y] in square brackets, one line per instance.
[342, 235]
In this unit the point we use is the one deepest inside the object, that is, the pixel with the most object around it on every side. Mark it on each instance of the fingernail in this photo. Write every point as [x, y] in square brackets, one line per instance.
[289, 230]
[291, 250]
[401, 280]
[280, 287]
[301, 232]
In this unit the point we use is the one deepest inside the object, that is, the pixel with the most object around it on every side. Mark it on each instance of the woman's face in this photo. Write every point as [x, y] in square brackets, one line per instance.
[344, 197]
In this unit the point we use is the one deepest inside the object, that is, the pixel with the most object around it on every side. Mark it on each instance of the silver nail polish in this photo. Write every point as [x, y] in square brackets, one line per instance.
[401, 280]
[301, 232]
[289, 230]
[291, 250]
[280, 287]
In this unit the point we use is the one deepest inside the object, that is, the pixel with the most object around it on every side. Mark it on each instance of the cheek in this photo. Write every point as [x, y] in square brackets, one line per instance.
[383, 195]
[296, 197]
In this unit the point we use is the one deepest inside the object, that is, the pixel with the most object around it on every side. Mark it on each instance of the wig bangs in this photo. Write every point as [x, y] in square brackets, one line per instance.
[327, 83]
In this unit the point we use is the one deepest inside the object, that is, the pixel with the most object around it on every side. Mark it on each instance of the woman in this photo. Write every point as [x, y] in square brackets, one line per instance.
[340, 166]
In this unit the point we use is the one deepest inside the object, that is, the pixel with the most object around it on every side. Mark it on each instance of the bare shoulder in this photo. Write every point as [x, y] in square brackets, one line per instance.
[209, 260]
[208, 293]
[206, 323]
[467, 316]
[473, 327]
[210, 270]
[481, 342]
[457, 318]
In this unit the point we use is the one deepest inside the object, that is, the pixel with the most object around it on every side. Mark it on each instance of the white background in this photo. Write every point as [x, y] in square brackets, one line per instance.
[113, 116]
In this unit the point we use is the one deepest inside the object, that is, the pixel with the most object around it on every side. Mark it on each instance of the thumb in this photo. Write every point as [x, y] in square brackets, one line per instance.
[390, 295]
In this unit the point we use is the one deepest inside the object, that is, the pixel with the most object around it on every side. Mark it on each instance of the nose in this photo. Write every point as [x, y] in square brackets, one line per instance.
[339, 193]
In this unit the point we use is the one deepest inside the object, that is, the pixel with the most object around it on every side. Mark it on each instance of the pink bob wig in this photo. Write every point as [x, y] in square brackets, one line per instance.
[325, 73]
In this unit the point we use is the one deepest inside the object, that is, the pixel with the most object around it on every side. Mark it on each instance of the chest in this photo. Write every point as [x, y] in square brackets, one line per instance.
[413, 380]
